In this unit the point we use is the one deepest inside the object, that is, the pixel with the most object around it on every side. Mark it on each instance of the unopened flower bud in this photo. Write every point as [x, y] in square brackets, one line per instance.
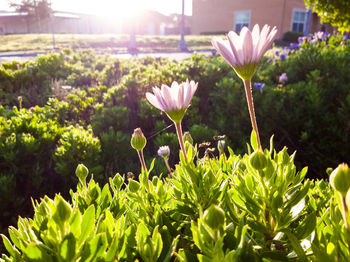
[138, 140]
[164, 152]
[340, 179]
[214, 217]
[258, 160]
[187, 137]
[81, 172]
[221, 146]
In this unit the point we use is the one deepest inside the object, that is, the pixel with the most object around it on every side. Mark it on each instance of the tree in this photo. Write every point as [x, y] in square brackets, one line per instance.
[335, 12]
[37, 10]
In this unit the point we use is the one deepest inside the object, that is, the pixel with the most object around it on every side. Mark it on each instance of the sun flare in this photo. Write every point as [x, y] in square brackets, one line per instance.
[116, 9]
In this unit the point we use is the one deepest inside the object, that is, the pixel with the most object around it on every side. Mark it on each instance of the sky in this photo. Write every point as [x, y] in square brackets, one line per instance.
[114, 8]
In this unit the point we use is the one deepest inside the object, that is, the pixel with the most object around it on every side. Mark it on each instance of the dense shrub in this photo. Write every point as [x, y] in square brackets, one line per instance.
[33, 147]
[225, 208]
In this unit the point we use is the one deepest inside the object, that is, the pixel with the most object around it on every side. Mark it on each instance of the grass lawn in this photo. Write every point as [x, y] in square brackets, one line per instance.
[43, 42]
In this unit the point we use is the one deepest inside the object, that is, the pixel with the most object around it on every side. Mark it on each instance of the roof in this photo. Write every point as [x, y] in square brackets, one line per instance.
[13, 14]
[65, 15]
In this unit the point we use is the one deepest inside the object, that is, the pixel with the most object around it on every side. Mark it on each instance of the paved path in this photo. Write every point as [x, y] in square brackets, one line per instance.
[172, 55]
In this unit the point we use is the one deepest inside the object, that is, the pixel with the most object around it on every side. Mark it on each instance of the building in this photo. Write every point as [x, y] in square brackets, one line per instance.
[221, 16]
[146, 22]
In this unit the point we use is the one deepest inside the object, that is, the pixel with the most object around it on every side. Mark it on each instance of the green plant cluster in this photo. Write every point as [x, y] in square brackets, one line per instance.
[310, 113]
[38, 156]
[252, 212]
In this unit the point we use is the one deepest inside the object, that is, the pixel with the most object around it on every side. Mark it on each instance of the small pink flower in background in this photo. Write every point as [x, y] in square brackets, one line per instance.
[244, 51]
[164, 151]
[283, 78]
[173, 100]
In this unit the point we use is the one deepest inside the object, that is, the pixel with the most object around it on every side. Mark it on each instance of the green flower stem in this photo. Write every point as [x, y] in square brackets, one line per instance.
[142, 160]
[181, 141]
[168, 167]
[249, 96]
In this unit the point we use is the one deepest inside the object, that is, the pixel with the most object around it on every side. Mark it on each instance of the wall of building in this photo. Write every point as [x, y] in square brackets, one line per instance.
[213, 16]
[13, 25]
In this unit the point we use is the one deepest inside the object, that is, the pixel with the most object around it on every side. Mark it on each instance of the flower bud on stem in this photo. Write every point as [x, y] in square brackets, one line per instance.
[249, 96]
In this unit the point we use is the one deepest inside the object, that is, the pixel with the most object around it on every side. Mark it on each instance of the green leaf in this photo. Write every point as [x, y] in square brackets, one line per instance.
[254, 140]
[75, 223]
[67, 247]
[296, 245]
[157, 242]
[63, 210]
[11, 249]
[35, 254]
[307, 226]
[15, 236]
[134, 186]
[98, 245]
[87, 224]
[112, 250]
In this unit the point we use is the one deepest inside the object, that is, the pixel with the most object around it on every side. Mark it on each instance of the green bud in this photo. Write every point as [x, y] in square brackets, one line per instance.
[214, 217]
[242, 166]
[340, 179]
[258, 160]
[118, 181]
[138, 140]
[82, 172]
[329, 171]
[187, 137]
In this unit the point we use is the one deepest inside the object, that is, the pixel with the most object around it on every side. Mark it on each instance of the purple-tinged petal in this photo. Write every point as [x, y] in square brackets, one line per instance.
[180, 96]
[236, 47]
[246, 37]
[159, 96]
[268, 41]
[191, 89]
[222, 46]
[154, 101]
[166, 94]
[256, 39]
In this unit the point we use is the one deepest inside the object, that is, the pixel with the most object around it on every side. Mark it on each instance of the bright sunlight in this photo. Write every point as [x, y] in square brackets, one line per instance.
[121, 8]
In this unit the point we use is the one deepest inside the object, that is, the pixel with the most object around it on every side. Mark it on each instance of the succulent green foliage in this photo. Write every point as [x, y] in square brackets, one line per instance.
[212, 209]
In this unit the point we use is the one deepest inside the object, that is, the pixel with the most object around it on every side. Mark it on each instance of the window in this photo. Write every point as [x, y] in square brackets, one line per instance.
[242, 18]
[299, 20]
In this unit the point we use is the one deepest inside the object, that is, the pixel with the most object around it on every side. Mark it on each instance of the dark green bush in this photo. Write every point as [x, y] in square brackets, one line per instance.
[291, 36]
[36, 157]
